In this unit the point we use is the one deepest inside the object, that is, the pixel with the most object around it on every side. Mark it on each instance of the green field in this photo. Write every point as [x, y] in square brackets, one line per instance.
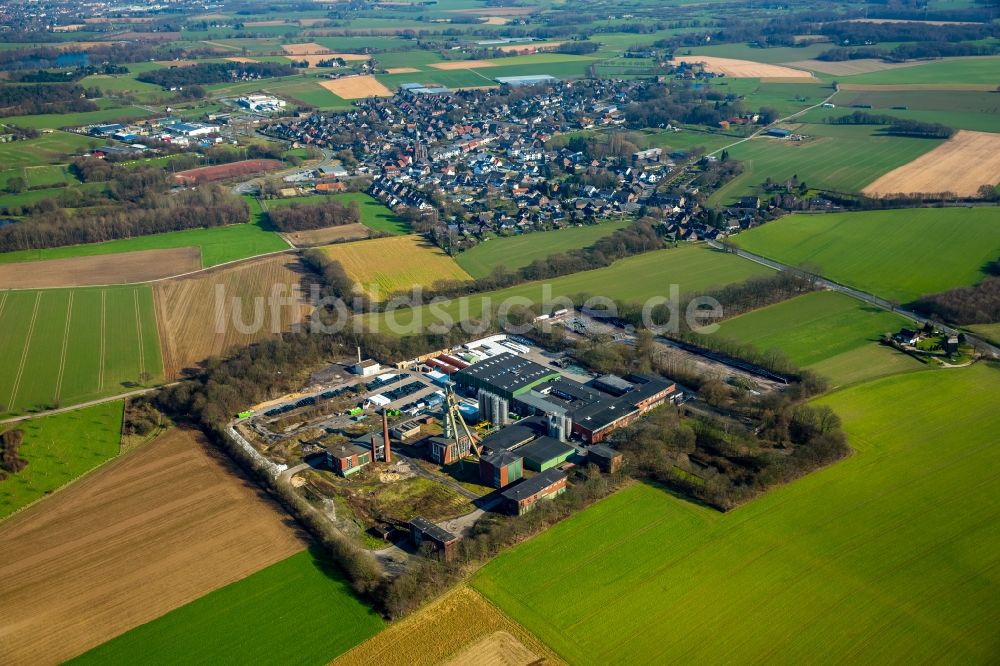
[374, 214]
[888, 556]
[514, 252]
[824, 330]
[833, 157]
[218, 245]
[60, 448]
[52, 147]
[896, 254]
[962, 109]
[773, 56]
[787, 98]
[65, 346]
[298, 611]
[59, 120]
[972, 70]
[631, 280]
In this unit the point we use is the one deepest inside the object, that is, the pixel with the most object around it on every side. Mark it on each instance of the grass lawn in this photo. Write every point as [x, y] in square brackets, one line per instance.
[887, 556]
[896, 254]
[819, 327]
[632, 280]
[515, 252]
[52, 147]
[65, 346]
[988, 331]
[374, 214]
[840, 158]
[59, 448]
[298, 611]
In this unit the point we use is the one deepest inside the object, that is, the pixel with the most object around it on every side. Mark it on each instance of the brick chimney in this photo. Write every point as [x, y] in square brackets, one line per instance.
[385, 435]
[374, 449]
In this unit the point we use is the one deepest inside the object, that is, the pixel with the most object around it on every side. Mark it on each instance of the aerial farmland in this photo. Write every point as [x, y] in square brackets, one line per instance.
[466, 332]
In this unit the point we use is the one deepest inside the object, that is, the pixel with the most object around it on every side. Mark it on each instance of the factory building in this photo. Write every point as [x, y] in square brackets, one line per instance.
[522, 497]
[347, 459]
[545, 453]
[528, 80]
[504, 375]
[501, 469]
[606, 458]
[494, 408]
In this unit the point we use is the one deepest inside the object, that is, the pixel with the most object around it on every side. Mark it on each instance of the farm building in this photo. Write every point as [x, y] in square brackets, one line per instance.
[545, 453]
[424, 531]
[505, 375]
[500, 469]
[346, 459]
[522, 498]
[606, 458]
[779, 133]
[530, 80]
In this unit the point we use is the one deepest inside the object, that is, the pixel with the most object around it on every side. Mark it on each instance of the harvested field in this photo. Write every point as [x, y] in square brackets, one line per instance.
[464, 64]
[885, 20]
[849, 67]
[315, 59]
[402, 70]
[307, 22]
[260, 299]
[210, 174]
[497, 649]
[961, 165]
[356, 87]
[531, 47]
[346, 232]
[432, 628]
[101, 269]
[743, 68]
[304, 49]
[497, 20]
[148, 532]
[396, 263]
[254, 24]
[177, 63]
[496, 11]
[242, 60]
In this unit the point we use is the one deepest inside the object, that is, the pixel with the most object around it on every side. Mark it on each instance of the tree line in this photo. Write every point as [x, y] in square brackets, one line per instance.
[978, 304]
[30, 99]
[214, 72]
[302, 216]
[896, 126]
[152, 213]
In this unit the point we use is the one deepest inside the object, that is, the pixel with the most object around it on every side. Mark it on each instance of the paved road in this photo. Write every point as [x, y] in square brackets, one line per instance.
[865, 296]
[90, 403]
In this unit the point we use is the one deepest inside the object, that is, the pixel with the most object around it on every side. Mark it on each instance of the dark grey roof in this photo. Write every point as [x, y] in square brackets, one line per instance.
[533, 486]
[544, 449]
[434, 532]
[603, 412]
[515, 435]
[506, 371]
[502, 458]
[348, 450]
[602, 451]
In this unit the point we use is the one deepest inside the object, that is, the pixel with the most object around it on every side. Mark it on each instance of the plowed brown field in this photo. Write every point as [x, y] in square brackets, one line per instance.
[344, 232]
[150, 531]
[206, 314]
[101, 269]
[961, 165]
[356, 87]
[210, 174]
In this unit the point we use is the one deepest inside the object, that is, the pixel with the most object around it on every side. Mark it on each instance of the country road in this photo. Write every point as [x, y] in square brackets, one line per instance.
[779, 120]
[862, 296]
[90, 403]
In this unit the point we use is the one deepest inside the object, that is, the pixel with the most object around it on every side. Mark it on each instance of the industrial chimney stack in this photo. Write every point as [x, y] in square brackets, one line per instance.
[374, 449]
[385, 435]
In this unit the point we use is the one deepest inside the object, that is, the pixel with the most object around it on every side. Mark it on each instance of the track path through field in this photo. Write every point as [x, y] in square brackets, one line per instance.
[27, 347]
[104, 332]
[138, 333]
[862, 296]
[65, 346]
